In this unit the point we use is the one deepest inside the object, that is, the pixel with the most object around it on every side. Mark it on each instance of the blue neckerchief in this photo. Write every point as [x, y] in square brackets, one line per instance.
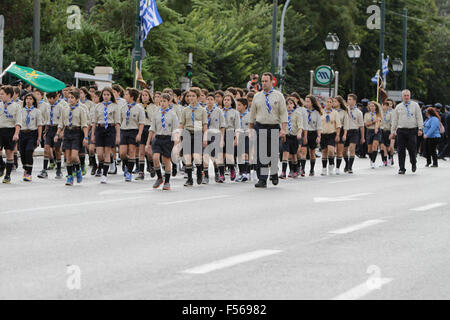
[385, 113]
[372, 115]
[209, 114]
[226, 112]
[28, 119]
[105, 113]
[269, 107]
[309, 115]
[289, 120]
[351, 112]
[327, 117]
[243, 115]
[5, 110]
[193, 109]
[42, 100]
[71, 114]
[163, 117]
[407, 108]
[129, 112]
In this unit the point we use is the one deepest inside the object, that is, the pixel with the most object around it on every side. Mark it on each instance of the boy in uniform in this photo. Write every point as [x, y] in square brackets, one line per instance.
[331, 124]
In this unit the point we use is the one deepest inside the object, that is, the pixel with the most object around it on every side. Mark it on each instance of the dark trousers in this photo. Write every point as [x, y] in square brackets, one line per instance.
[430, 150]
[445, 151]
[264, 141]
[407, 139]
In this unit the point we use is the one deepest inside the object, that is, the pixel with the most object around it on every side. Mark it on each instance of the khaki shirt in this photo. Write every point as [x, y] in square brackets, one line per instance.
[42, 106]
[244, 122]
[170, 120]
[371, 117]
[57, 108]
[177, 108]
[259, 112]
[401, 118]
[149, 109]
[35, 119]
[295, 120]
[355, 118]
[216, 119]
[113, 114]
[386, 120]
[303, 115]
[121, 102]
[343, 117]
[232, 119]
[313, 120]
[333, 123]
[200, 118]
[137, 117]
[79, 117]
[10, 115]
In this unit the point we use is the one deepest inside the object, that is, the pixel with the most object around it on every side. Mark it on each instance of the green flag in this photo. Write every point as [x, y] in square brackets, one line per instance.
[37, 79]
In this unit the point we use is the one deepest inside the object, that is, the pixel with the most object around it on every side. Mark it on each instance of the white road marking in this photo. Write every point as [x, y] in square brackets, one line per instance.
[362, 290]
[356, 227]
[194, 200]
[430, 206]
[340, 199]
[346, 180]
[231, 261]
[62, 206]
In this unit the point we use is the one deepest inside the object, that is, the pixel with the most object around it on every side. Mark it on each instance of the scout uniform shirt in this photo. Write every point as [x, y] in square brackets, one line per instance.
[369, 116]
[295, 122]
[131, 116]
[330, 121]
[386, 120]
[31, 119]
[112, 111]
[42, 106]
[89, 108]
[272, 112]
[10, 115]
[149, 109]
[232, 118]
[355, 118]
[177, 108]
[164, 123]
[407, 116]
[52, 114]
[194, 118]
[244, 121]
[343, 118]
[301, 112]
[73, 116]
[313, 120]
[216, 119]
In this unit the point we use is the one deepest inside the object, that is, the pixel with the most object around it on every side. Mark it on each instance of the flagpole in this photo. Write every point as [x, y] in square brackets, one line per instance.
[137, 41]
[378, 86]
[6, 70]
[135, 75]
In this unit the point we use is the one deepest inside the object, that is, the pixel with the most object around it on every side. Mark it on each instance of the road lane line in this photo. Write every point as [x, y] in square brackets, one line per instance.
[194, 200]
[430, 206]
[352, 197]
[62, 206]
[231, 261]
[356, 227]
[346, 180]
[363, 289]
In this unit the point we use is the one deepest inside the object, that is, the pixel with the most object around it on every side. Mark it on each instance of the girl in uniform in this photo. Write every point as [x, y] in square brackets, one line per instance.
[106, 129]
[341, 108]
[30, 133]
[385, 126]
[372, 121]
[293, 135]
[146, 101]
[232, 123]
[331, 124]
[87, 104]
[216, 130]
[42, 106]
[92, 161]
[195, 121]
[73, 125]
[313, 125]
[132, 120]
[243, 140]
[163, 125]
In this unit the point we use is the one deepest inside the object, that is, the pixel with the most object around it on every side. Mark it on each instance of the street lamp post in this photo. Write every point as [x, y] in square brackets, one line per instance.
[397, 66]
[354, 52]
[332, 44]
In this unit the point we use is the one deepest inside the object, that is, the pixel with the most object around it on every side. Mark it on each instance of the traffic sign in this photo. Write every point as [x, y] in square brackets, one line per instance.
[274, 81]
[323, 75]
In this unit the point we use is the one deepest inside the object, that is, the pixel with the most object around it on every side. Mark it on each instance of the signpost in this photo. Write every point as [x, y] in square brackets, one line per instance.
[323, 75]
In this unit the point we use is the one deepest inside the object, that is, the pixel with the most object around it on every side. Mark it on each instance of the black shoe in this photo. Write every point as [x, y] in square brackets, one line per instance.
[152, 172]
[401, 171]
[199, 178]
[216, 177]
[427, 165]
[350, 171]
[261, 184]
[94, 170]
[2, 171]
[414, 168]
[434, 165]
[274, 179]
[99, 172]
[346, 169]
[189, 183]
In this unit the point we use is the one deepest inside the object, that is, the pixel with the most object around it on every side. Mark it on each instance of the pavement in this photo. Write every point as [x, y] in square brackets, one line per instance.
[370, 235]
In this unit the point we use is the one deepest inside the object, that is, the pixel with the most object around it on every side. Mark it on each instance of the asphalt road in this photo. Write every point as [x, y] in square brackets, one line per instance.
[371, 235]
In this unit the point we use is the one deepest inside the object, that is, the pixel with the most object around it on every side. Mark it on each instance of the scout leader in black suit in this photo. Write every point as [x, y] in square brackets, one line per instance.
[267, 112]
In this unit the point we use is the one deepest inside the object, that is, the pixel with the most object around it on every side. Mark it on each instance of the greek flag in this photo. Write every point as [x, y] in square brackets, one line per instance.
[150, 17]
[385, 70]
